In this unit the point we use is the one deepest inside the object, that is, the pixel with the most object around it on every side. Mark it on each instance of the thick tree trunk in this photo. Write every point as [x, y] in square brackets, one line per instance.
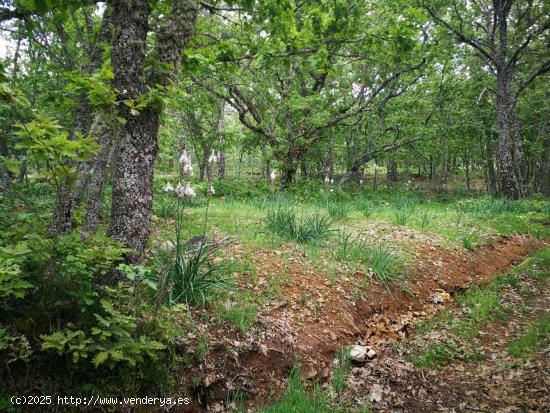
[136, 149]
[137, 145]
[508, 179]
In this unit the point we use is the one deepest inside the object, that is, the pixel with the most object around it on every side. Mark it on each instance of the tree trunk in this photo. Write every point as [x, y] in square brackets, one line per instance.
[104, 135]
[71, 191]
[391, 172]
[508, 180]
[137, 144]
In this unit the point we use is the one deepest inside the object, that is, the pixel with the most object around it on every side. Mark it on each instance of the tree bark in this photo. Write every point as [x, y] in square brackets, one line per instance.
[103, 133]
[504, 108]
[391, 172]
[137, 144]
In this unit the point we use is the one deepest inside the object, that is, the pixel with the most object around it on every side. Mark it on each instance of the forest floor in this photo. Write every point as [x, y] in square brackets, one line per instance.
[309, 305]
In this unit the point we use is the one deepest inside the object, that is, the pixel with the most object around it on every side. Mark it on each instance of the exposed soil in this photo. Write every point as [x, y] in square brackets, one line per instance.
[497, 382]
[317, 317]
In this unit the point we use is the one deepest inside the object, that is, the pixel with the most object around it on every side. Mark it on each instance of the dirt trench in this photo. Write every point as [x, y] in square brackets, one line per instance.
[317, 317]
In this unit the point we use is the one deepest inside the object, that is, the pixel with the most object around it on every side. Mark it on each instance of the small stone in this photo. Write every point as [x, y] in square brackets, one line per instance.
[167, 246]
[333, 336]
[371, 353]
[358, 353]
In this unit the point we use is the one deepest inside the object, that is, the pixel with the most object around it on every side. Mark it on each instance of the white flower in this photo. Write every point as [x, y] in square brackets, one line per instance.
[188, 169]
[212, 159]
[188, 191]
[331, 190]
[332, 181]
[272, 176]
[361, 182]
[168, 187]
[327, 180]
[185, 158]
[180, 190]
[211, 190]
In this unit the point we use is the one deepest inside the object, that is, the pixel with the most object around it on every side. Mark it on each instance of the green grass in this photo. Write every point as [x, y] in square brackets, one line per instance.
[297, 399]
[480, 304]
[305, 228]
[339, 210]
[340, 373]
[386, 265]
[536, 336]
[438, 355]
[241, 313]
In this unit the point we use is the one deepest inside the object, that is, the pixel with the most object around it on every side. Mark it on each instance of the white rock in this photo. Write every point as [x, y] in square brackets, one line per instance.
[371, 353]
[358, 353]
[167, 246]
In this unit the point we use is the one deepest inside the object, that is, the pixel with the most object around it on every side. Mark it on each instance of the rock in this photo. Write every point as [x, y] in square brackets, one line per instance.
[167, 246]
[309, 374]
[376, 393]
[332, 335]
[358, 353]
[263, 349]
[440, 297]
[361, 353]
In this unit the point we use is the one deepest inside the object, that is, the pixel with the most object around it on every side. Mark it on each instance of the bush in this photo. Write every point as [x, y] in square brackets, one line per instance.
[285, 223]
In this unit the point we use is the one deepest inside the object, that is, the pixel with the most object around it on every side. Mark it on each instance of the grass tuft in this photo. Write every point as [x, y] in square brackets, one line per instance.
[285, 223]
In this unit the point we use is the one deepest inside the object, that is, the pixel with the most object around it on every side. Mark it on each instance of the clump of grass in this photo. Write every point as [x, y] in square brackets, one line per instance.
[164, 208]
[536, 336]
[469, 241]
[426, 218]
[285, 223]
[189, 273]
[298, 399]
[386, 265]
[193, 274]
[340, 373]
[489, 207]
[404, 208]
[241, 313]
[338, 210]
[365, 206]
[345, 245]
